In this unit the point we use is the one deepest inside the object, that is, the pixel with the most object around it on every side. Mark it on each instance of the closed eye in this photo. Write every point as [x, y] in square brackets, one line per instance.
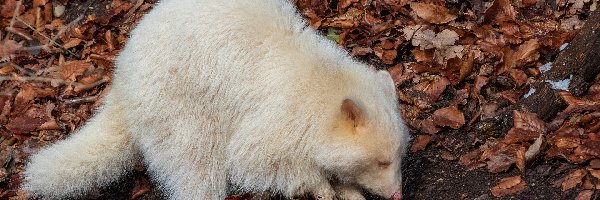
[384, 164]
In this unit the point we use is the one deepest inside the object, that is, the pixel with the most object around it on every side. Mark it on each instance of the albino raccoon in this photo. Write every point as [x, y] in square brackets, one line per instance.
[236, 94]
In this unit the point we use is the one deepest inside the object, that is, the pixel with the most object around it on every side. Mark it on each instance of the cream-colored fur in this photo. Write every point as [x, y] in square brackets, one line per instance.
[237, 93]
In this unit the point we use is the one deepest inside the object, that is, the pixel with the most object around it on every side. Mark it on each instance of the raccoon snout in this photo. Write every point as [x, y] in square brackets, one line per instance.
[397, 195]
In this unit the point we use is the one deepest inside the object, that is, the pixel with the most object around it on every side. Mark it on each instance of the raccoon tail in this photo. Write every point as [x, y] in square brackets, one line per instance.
[100, 153]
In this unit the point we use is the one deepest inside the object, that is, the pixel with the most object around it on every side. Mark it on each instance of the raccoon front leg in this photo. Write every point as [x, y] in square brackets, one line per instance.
[348, 192]
[324, 191]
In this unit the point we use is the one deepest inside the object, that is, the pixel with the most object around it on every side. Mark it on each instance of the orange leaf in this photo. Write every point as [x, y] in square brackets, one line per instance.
[432, 13]
[528, 121]
[507, 186]
[573, 179]
[420, 143]
[449, 116]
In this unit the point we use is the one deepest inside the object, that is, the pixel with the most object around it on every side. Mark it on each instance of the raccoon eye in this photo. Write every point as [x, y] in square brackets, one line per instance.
[384, 163]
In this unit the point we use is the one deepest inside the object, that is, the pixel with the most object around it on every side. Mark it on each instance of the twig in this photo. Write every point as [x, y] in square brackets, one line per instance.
[82, 87]
[21, 69]
[52, 40]
[15, 14]
[80, 100]
[35, 78]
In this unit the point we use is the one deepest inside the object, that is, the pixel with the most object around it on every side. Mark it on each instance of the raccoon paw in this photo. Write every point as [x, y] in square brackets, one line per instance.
[324, 193]
[347, 192]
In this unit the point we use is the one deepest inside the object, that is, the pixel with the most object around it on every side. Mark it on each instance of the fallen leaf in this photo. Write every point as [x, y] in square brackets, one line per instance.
[573, 179]
[8, 48]
[428, 126]
[595, 164]
[500, 11]
[420, 143]
[585, 195]
[471, 160]
[73, 69]
[72, 43]
[517, 135]
[534, 149]
[27, 94]
[527, 53]
[28, 121]
[520, 159]
[433, 13]
[446, 155]
[500, 162]
[386, 56]
[529, 122]
[427, 39]
[449, 116]
[433, 88]
[508, 186]
[8, 9]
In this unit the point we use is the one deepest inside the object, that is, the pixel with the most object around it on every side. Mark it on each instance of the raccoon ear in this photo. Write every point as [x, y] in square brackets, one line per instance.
[387, 81]
[352, 112]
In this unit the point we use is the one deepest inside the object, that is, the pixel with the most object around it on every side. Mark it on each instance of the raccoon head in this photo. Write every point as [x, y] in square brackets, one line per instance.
[366, 143]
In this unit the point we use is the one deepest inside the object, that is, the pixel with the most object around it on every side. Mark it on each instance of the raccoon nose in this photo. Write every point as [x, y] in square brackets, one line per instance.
[397, 195]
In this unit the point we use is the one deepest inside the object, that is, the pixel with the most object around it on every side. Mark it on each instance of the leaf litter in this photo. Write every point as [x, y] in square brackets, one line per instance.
[455, 63]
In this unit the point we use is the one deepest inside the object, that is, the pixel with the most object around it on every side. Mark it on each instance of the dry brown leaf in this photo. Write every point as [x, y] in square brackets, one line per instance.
[449, 116]
[39, 2]
[361, 51]
[386, 56]
[585, 195]
[433, 88]
[427, 39]
[500, 162]
[8, 9]
[8, 48]
[480, 81]
[518, 76]
[520, 159]
[421, 55]
[466, 66]
[508, 186]
[27, 94]
[28, 121]
[527, 53]
[501, 10]
[420, 143]
[517, 135]
[576, 104]
[591, 148]
[72, 69]
[595, 173]
[534, 149]
[573, 179]
[595, 164]
[529, 122]
[72, 43]
[343, 4]
[428, 126]
[471, 160]
[446, 155]
[433, 13]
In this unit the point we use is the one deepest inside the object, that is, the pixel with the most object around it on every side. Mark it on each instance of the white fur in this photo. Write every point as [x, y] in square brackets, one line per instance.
[236, 93]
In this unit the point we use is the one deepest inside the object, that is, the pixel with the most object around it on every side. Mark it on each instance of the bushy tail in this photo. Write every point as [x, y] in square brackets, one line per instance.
[99, 153]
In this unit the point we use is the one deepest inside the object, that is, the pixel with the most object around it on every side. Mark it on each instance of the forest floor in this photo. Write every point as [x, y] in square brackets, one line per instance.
[454, 62]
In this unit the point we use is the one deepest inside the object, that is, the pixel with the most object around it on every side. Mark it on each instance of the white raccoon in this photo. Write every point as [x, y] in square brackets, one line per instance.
[236, 93]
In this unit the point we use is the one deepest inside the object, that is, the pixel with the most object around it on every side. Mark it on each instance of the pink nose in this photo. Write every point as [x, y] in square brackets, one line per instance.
[397, 195]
